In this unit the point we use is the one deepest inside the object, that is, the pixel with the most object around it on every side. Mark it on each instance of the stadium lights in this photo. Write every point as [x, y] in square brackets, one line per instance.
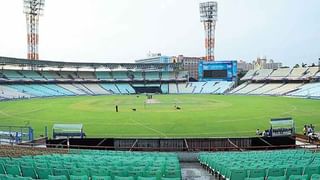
[33, 10]
[208, 16]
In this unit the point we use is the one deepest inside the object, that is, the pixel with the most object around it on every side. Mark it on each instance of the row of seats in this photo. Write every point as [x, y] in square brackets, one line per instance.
[282, 74]
[279, 89]
[86, 75]
[210, 87]
[284, 164]
[88, 164]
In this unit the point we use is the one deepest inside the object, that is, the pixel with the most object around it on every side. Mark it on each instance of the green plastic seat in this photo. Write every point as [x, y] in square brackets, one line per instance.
[79, 172]
[146, 178]
[315, 177]
[259, 172]
[13, 170]
[298, 177]
[84, 177]
[44, 173]
[18, 178]
[170, 178]
[2, 171]
[172, 173]
[62, 177]
[237, 174]
[277, 178]
[28, 171]
[294, 171]
[310, 170]
[123, 178]
[274, 171]
[99, 172]
[256, 178]
[61, 172]
[101, 178]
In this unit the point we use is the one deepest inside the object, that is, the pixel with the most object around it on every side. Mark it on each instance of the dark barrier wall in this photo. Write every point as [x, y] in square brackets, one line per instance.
[189, 144]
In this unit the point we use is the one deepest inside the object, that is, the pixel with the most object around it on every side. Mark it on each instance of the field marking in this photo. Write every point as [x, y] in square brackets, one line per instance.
[152, 129]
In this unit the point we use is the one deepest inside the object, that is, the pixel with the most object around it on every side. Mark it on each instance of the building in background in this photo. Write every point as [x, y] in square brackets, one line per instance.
[190, 64]
[260, 63]
[156, 58]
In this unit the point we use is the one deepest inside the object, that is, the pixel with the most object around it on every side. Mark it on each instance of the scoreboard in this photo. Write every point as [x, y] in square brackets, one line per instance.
[217, 71]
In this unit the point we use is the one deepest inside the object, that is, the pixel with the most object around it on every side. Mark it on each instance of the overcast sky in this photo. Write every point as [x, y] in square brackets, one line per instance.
[124, 30]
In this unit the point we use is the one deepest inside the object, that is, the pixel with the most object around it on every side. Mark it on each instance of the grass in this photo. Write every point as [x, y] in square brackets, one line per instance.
[200, 116]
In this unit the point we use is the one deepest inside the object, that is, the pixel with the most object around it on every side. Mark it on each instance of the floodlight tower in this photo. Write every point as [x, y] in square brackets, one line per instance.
[33, 10]
[208, 16]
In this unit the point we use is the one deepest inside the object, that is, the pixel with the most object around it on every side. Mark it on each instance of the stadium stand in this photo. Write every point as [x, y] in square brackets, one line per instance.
[59, 89]
[83, 88]
[185, 88]
[125, 88]
[96, 89]
[11, 93]
[165, 88]
[279, 74]
[13, 75]
[297, 73]
[284, 164]
[241, 86]
[266, 88]
[103, 75]
[93, 164]
[32, 75]
[307, 90]
[249, 88]
[120, 75]
[284, 89]
[110, 87]
[262, 74]
[249, 75]
[86, 75]
[311, 72]
[73, 89]
[173, 88]
[152, 75]
[50, 75]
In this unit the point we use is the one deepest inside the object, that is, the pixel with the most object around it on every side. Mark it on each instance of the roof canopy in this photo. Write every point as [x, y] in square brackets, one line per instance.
[56, 64]
[67, 127]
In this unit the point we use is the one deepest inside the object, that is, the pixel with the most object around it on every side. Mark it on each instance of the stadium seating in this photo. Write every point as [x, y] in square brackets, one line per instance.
[95, 88]
[152, 75]
[311, 72]
[249, 75]
[84, 164]
[110, 87]
[307, 90]
[32, 75]
[103, 75]
[262, 74]
[13, 75]
[73, 89]
[125, 88]
[50, 75]
[297, 73]
[173, 88]
[165, 88]
[11, 93]
[283, 90]
[249, 88]
[86, 75]
[266, 88]
[185, 88]
[120, 75]
[283, 164]
[279, 74]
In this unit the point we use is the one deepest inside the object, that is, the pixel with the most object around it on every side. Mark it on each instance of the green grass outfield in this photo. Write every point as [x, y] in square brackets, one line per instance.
[201, 115]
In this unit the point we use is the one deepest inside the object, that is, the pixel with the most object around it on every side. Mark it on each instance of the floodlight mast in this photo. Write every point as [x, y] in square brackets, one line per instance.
[33, 10]
[208, 16]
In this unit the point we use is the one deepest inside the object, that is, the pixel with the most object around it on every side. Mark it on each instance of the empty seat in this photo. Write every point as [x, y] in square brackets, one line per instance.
[13, 170]
[62, 177]
[276, 172]
[277, 178]
[43, 173]
[315, 177]
[255, 173]
[298, 177]
[101, 178]
[85, 177]
[28, 171]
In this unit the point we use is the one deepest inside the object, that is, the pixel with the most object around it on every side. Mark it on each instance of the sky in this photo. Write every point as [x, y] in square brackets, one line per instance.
[287, 31]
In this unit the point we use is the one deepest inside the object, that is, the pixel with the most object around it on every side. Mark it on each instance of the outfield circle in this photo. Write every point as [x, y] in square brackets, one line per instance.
[198, 116]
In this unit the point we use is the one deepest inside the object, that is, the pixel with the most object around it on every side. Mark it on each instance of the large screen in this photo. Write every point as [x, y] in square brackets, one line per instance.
[215, 74]
[217, 71]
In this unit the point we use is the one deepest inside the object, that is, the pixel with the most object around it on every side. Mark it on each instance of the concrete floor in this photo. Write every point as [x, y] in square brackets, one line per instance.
[194, 171]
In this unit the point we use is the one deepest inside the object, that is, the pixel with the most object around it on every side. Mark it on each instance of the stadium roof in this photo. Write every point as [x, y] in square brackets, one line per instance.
[44, 63]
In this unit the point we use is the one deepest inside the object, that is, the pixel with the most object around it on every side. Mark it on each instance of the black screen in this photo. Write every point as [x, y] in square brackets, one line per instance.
[215, 74]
